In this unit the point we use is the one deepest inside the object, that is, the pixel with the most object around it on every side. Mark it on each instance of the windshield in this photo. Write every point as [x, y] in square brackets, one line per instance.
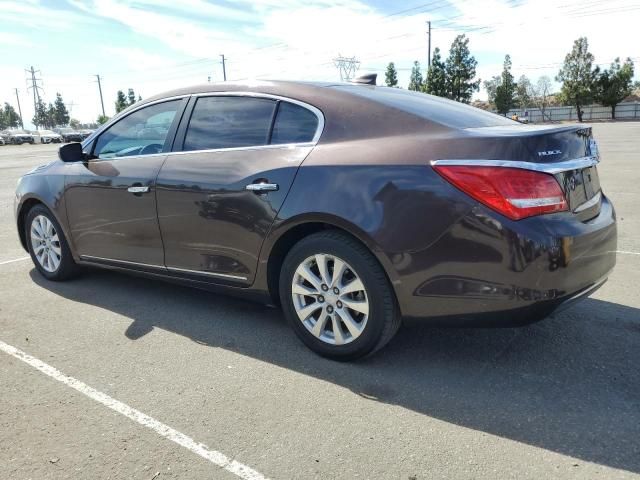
[46, 132]
[435, 109]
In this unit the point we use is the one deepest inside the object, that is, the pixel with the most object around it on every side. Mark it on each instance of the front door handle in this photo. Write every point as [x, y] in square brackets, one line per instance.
[262, 187]
[138, 189]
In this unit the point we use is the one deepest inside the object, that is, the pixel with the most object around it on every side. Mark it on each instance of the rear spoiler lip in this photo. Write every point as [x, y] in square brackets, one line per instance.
[528, 130]
[549, 167]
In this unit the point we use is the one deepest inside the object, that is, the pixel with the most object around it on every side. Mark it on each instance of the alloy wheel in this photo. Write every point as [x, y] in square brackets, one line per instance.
[45, 243]
[330, 299]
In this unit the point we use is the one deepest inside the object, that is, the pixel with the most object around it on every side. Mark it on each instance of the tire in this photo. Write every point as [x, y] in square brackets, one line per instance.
[54, 240]
[328, 309]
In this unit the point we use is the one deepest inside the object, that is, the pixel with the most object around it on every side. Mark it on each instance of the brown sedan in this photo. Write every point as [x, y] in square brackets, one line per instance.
[350, 205]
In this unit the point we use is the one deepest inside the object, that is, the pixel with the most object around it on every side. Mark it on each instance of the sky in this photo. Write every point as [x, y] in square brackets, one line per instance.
[156, 45]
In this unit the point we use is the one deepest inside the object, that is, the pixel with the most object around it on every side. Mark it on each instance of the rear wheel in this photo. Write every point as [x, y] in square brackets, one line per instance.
[336, 296]
[48, 247]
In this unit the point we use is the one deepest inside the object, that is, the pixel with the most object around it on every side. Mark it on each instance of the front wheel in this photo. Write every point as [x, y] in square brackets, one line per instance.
[48, 247]
[337, 297]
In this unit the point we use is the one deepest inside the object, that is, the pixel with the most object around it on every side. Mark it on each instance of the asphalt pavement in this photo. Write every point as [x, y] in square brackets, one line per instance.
[223, 389]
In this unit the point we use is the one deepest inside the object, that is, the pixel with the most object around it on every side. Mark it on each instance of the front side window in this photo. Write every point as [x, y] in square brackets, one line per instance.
[228, 122]
[294, 124]
[143, 132]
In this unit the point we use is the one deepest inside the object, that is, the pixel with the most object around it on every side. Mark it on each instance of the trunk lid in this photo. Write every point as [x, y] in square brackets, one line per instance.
[548, 145]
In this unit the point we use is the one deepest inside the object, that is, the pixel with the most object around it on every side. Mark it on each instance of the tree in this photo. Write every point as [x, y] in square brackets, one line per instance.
[461, 70]
[415, 80]
[615, 84]
[9, 117]
[505, 92]
[61, 116]
[40, 118]
[131, 95]
[541, 93]
[578, 77]
[523, 92]
[51, 116]
[436, 83]
[102, 119]
[391, 75]
[121, 101]
[75, 124]
[491, 86]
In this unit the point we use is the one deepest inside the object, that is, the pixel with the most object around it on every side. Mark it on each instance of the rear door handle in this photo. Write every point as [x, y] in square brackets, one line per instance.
[138, 189]
[262, 187]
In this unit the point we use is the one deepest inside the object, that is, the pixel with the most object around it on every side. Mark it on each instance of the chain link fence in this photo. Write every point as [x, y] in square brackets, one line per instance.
[624, 111]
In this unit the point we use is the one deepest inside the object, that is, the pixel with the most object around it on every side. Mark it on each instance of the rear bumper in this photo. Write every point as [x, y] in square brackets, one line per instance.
[490, 271]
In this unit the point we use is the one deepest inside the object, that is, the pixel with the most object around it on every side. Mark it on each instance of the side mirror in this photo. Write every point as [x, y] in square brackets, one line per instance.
[71, 152]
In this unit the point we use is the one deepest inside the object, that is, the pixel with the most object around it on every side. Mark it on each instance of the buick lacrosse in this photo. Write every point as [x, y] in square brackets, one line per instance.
[351, 206]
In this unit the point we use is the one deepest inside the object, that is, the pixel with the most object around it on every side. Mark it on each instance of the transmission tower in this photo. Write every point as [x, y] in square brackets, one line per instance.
[347, 67]
[32, 84]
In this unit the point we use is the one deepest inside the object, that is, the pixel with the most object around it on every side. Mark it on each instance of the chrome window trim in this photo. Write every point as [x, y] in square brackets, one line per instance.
[316, 111]
[589, 203]
[237, 149]
[214, 274]
[552, 168]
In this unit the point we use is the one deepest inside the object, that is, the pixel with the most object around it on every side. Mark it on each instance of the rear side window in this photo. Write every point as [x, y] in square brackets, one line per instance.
[294, 124]
[227, 122]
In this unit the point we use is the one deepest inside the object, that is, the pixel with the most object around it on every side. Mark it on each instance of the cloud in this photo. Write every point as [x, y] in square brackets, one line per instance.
[162, 44]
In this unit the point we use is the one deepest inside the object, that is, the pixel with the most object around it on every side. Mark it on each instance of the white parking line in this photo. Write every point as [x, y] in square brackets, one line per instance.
[626, 252]
[213, 456]
[15, 260]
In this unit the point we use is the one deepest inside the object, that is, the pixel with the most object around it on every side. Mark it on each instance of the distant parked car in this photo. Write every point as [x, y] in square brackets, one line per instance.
[85, 133]
[70, 135]
[2, 142]
[17, 137]
[49, 136]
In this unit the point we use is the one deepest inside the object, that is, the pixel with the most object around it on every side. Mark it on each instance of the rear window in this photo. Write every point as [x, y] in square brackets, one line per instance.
[432, 108]
[227, 122]
[294, 124]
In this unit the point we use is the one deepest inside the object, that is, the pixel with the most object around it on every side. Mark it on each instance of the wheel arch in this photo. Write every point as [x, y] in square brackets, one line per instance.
[23, 210]
[286, 235]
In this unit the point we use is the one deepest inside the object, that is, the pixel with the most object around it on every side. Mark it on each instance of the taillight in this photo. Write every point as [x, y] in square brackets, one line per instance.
[513, 192]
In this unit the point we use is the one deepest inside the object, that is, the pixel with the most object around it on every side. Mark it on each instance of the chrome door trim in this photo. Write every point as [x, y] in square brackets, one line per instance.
[213, 274]
[91, 258]
[552, 168]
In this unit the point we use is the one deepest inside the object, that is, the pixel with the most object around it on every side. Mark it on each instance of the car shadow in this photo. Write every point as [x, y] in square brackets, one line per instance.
[569, 384]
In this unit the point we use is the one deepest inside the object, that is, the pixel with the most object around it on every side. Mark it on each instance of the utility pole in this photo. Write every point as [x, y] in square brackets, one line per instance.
[429, 43]
[224, 69]
[347, 67]
[19, 109]
[101, 100]
[36, 89]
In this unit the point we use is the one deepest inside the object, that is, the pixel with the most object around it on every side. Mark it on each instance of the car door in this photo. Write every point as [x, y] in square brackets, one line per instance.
[219, 191]
[111, 198]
